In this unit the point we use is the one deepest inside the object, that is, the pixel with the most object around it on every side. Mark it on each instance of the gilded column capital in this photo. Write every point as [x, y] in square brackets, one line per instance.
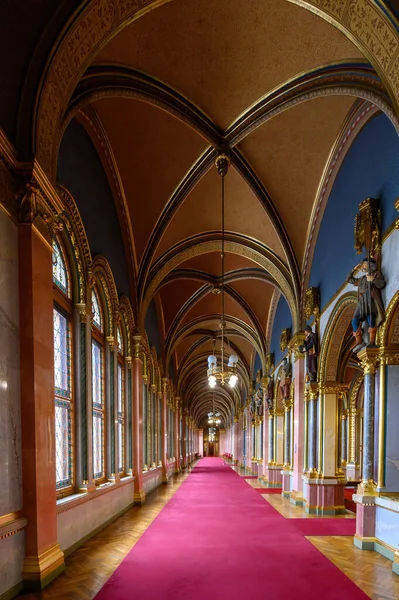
[295, 342]
[111, 342]
[128, 361]
[368, 359]
[165, 385]
[82, 310]
[388, 356]
[236, 419]
[312, 391]
[136, 346]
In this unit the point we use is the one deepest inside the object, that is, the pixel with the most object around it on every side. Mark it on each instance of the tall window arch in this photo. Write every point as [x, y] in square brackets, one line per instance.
[63, 381]
[98, 388]
[121, 402]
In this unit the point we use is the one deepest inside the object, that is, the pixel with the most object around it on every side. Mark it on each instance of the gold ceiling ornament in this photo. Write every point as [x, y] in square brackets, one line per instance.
[222, 373]
[285, 338]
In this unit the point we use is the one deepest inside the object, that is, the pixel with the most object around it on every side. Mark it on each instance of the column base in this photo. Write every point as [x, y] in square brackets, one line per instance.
[296, 498]
[365, 517]
[273, 476]
[352, 472]
[363, 543]
[286, 483]
[395, 564]
[139, 498]
[324, 496]
[39, 571]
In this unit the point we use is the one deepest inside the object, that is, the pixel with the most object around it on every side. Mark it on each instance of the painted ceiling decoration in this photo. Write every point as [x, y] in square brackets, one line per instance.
[243, 82]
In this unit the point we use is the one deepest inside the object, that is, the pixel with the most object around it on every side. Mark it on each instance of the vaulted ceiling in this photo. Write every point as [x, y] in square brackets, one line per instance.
[169, 92]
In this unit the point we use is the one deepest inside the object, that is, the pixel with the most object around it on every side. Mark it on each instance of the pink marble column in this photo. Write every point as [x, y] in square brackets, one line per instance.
[44, 559]
[296, 495]
[236, 440]
[176, 416]
[164, 445]
[137, 385]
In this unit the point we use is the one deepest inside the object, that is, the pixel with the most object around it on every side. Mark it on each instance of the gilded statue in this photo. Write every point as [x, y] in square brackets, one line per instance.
[269, 392]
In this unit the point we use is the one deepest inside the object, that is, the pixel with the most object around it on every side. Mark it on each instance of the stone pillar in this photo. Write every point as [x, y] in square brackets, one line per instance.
[299, 421]
[129, 416]
[367, 489]
[176, 416]
[344, 439]
[164, 438]
[44, 559]
[184, 438]
[286, 477]
[312, 430]
[137, 385]
[236, 437]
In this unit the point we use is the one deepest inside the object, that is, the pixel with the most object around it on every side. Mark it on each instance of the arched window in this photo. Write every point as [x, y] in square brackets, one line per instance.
[63, 386]
[146, 438]
[98, 388]
[121, 403]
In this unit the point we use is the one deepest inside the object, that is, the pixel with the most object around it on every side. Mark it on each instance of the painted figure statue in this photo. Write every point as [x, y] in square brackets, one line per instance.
[370, 307]
[269, 392]
[284, 377]
[310, 346]
[259, 402]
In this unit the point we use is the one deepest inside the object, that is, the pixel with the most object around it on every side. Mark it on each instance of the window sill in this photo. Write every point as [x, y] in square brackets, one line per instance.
[69, 502]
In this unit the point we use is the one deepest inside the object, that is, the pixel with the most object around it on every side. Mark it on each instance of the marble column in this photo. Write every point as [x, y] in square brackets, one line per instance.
[137, 384]
[236, 437]
[299, 424]
[176, 416]
[344, 439]
[43, 558]
[367, 489]
[129, 417]
[312, 430]
[164, 438]
[286, 477]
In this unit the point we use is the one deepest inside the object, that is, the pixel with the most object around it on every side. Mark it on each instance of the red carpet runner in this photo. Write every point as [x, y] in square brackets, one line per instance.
[218, 538]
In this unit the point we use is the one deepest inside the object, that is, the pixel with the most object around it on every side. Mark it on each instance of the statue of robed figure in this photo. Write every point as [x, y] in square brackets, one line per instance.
[310, 346]
[370, 307]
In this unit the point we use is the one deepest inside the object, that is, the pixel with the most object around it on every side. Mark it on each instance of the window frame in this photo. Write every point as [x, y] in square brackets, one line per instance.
[98, 338]
[121, 416]
[62, 303]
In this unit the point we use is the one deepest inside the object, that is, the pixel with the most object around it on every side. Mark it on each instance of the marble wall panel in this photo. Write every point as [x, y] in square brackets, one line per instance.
[387, 526]
[10, 406]
[152, 480]
[11, 561]
[392, 438]
[390, 266]
[81, 520]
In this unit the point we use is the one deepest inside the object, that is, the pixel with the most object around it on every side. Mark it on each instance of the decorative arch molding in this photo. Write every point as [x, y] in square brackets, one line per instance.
[270, 318]
[75, 239]
[387, 334]
[202, 293]
[371, 27]
[188, 362]
[125, 309]
[333, 338]
[90, 121]
[103, 274]
[357, 119]
[200, 324]
[234, 244]
[229, 277]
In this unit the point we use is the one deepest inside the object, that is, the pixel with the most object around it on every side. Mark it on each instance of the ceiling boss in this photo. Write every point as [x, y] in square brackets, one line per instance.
[222, 373]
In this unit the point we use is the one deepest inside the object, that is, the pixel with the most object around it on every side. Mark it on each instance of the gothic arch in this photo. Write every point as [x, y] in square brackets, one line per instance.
[333, 338]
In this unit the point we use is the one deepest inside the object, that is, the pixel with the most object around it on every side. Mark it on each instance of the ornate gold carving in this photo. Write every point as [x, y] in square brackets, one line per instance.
[111, 342]
[82, 311]
[368, 359]
[312, 303]
[33, 207]
[295, 343]
[270, 363]
[284, 339]
[368, 227]
[128, 360]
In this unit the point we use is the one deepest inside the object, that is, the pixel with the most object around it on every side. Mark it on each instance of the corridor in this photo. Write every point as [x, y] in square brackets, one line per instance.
[217, 536]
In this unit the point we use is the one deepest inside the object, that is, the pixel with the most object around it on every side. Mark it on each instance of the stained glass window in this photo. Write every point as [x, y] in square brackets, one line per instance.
[97, 369]
[96, 311]
[121, 416]
[98, 448]
[120, 342]
[60, 273]
[62, 399]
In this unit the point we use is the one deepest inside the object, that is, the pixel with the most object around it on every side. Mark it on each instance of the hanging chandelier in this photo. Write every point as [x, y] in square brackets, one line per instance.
[214, 417]
[222, 373]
